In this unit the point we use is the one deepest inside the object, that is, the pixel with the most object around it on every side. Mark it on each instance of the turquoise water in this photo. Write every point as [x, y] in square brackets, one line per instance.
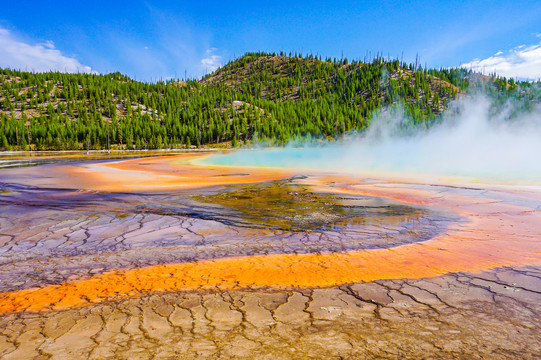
[401, 159]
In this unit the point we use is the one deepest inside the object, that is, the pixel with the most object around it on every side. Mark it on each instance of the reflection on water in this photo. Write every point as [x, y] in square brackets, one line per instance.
[50, 234]
[16, 160]
[290, 206]
[325, 221]
[16, 163]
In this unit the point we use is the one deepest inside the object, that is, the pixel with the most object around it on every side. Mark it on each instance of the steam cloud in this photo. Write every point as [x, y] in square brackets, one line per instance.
[470, 142]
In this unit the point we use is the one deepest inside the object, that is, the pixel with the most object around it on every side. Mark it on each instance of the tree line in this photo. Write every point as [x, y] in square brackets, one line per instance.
[258, 97]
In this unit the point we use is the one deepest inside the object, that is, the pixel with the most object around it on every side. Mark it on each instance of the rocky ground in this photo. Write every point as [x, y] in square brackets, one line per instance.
[490, 315]
[378, 269]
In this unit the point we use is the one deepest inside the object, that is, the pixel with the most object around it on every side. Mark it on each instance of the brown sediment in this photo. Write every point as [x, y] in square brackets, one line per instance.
[497, 233]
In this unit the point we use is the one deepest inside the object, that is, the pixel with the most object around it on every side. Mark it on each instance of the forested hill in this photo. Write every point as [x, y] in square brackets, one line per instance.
[366, 86]
[257, 97]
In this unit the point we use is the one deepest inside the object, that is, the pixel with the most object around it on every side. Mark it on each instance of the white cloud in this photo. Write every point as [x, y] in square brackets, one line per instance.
[49, 44]
[17, 54]
[212, 61]
[183, 47]
[523, 62]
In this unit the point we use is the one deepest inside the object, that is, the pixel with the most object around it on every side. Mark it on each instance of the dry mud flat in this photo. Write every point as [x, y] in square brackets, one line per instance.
[490, 315]
[324, 267]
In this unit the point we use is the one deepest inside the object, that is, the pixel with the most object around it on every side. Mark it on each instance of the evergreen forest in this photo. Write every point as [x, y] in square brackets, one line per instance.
[259, 97]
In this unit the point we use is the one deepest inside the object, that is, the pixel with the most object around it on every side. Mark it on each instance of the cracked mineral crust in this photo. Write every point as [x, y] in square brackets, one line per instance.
[116, 260]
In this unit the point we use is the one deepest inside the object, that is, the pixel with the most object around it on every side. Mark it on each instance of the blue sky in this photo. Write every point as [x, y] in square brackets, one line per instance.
[149, 40]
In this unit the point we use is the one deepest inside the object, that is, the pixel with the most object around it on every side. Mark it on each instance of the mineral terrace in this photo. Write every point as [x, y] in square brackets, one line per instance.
[166, 258]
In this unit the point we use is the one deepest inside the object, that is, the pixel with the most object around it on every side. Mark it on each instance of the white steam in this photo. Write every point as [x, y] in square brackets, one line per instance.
[470, 142]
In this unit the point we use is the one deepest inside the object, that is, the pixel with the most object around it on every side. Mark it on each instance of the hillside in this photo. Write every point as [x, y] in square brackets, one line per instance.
[256, 97]
[286, 78]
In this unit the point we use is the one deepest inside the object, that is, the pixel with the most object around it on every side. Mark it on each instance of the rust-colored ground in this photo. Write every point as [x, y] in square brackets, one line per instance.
[162, 173]
[502, 230]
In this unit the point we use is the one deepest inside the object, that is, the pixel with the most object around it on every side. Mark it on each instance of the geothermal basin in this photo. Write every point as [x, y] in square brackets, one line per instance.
[186, 257]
